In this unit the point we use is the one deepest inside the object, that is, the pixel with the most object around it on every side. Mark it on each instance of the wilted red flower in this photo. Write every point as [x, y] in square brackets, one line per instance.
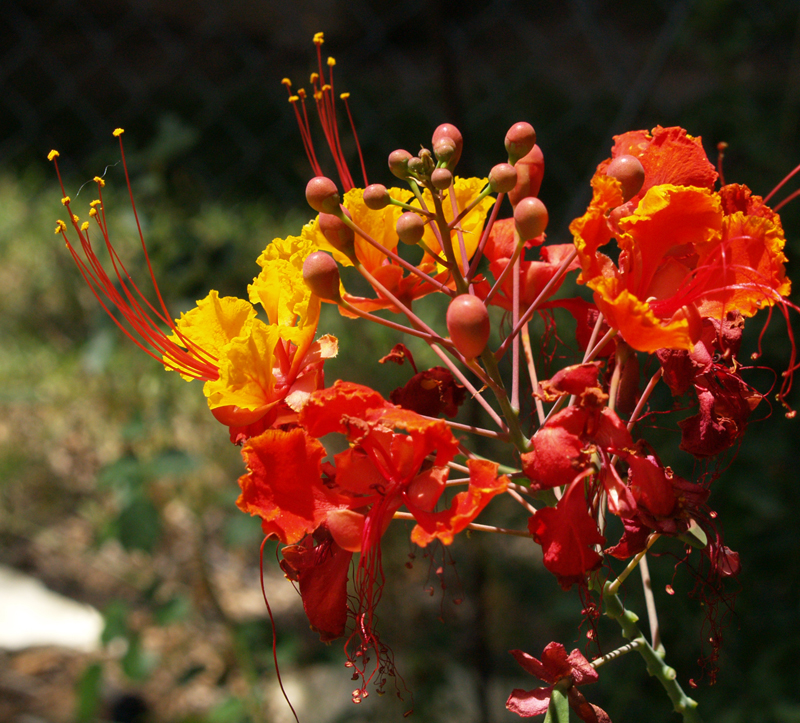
[568, 535]
[556, 667]
[564, 447]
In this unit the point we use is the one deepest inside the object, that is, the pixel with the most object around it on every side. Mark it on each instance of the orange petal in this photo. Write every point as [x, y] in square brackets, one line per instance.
[465, 507]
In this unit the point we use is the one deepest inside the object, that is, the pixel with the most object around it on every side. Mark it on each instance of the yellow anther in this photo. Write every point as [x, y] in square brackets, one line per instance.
[61, 227]
[318, 95]
[65, 200]
[75, 219]
[331, 62]
[53, 154]
[314, 78]
[293, 98]
[85, 226]
[118, 132]
[99, 181]
[326, 87]
[286, 82]
[344, 96]
[319, 38]
[302, 93]
[92, 212]
[94, 203]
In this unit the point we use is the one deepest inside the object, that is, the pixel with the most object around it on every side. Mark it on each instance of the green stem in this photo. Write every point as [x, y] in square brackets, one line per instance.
[613, 587]
[511, 415]
[558, 710]
[656, 666]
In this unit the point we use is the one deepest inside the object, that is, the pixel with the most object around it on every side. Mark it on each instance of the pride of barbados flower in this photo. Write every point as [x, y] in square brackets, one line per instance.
[693, 262]
[686, 251]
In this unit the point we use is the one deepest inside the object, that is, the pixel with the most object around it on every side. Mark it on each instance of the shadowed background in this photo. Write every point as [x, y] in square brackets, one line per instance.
[117, 488]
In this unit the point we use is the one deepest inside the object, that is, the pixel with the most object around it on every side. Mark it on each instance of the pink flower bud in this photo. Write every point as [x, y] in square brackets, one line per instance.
[416, 165]
[441, 179]
[337, 233]
[629, 171]
[398, 163]
[530, 170]
[410, 228]
[530, 218]
[444, 149]
[376, 197]
[520, 139]
[468, 324]
[446, 130]
[321, 275]
[503, 178]
[322, 195]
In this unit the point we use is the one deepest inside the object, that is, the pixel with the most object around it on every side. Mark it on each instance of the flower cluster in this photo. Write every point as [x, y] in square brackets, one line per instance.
[675, 264]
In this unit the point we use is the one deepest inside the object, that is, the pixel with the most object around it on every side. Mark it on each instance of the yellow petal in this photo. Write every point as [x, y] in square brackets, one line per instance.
[213, 323]
[246, 377]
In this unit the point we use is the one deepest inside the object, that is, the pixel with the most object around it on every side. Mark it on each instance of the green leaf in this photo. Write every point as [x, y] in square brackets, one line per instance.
[173, 462]
[127, 473]
[172, 611]
[88, 694]
[115, 615]
[136, 663]
[139, 525]
[231, 710]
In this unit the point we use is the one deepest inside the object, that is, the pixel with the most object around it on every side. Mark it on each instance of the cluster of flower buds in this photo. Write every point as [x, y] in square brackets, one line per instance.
[693, 261]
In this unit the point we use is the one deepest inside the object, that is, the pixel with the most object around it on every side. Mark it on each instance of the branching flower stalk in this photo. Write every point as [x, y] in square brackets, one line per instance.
[671, 262]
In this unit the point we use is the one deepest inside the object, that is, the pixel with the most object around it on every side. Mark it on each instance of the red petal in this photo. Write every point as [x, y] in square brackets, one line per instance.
[283, 484]
[324, 410]
[557, 455]
[568, 535]
[431, 393]
[528, 703]
[322, 575]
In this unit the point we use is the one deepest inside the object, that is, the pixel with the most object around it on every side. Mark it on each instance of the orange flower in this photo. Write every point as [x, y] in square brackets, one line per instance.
[685, 251]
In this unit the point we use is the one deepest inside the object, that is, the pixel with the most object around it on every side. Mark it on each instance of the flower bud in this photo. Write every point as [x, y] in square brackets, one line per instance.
[398, 163]
[468, 325]
[321, 275]
[530, 218]
[503, 178]
[337, 233]
[441, 179]
[410, 227]
[416, 166]
[530, 170]
[446, 130]
[629, 171]
[444, 149]
[520, 139]
[322, 195]
[376, 197]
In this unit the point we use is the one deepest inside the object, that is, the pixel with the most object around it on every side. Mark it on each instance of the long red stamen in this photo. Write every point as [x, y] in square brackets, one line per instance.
[344, 97]
[274, 633]
[721, 147]
[782, 183]
[192, 361]
[786, 200]
[324, 99]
